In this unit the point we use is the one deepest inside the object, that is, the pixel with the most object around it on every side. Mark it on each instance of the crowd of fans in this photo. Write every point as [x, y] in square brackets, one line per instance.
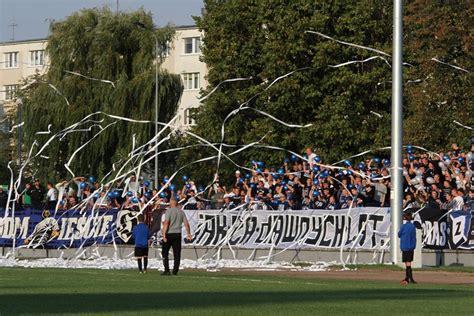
[436, 180]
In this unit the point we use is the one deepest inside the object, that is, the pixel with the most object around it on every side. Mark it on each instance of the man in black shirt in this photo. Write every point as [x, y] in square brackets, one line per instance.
[191, 200]
[369, 196]
[36, 192]
[261, 188]
[235, 196]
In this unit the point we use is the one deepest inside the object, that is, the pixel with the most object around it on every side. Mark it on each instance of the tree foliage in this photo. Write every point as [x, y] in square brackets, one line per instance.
[441, 30]
[267, 39]
[99, 44]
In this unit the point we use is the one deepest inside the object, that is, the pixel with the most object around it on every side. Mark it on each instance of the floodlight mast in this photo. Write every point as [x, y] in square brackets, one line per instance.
[396, 197]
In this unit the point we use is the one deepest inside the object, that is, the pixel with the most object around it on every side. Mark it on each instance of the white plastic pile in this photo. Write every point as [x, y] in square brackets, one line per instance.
[210, 265]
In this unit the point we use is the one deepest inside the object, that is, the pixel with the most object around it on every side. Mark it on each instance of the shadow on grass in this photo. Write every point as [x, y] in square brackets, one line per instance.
[136, 302]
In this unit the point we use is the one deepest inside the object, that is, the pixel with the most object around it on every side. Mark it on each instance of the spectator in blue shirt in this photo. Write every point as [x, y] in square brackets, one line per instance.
[140, 235]
[407, 235]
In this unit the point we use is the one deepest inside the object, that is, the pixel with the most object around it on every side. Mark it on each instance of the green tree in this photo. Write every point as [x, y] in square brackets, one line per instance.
[267, 39]
[99, 44]
[441, 30]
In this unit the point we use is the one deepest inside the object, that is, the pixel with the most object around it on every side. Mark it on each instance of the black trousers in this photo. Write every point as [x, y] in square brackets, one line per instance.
[174, 241]
[52, 205]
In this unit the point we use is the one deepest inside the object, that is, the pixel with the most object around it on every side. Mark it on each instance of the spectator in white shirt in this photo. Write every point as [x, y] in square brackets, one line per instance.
[311, 156]
[78, 181]
[131, 184]
[52, 196]
[62, 188]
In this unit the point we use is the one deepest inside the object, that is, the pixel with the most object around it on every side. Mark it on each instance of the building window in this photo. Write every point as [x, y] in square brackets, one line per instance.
[37, 57]
[189, 116]
[10, 91]
[191, 81]
[192, 45]
[11, 59]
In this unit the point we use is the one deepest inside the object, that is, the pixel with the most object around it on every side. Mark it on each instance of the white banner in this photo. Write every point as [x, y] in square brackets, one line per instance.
[359, 228]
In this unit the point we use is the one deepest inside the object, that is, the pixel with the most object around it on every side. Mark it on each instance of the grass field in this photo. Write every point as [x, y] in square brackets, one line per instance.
[125, 292]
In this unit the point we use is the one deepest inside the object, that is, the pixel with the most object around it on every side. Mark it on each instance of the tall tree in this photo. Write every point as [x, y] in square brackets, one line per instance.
[442, 30]
[265, 40]
[99, 44]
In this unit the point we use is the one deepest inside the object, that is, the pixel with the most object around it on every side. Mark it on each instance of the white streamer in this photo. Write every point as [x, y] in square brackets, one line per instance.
[464, 126]
[377, 114]
[59, 92]
[219, 84]
[349, 44]
[356, 45]
[16, 126]
[90, 78]
[452, 66]
[46, 132]
[360, 62]
[82, 146]
[277, 120]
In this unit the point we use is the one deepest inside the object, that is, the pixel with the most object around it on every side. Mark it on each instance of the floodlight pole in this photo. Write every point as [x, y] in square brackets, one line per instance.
[14, 230]
[20, 132]
[156, 110]
[396, 197]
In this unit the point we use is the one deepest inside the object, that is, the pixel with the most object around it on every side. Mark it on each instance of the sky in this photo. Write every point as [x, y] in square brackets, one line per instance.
[33, 16]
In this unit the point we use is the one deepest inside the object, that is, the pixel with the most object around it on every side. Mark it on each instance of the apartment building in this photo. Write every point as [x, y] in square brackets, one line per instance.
[21, 59]
[184, 59]
[18, 60]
